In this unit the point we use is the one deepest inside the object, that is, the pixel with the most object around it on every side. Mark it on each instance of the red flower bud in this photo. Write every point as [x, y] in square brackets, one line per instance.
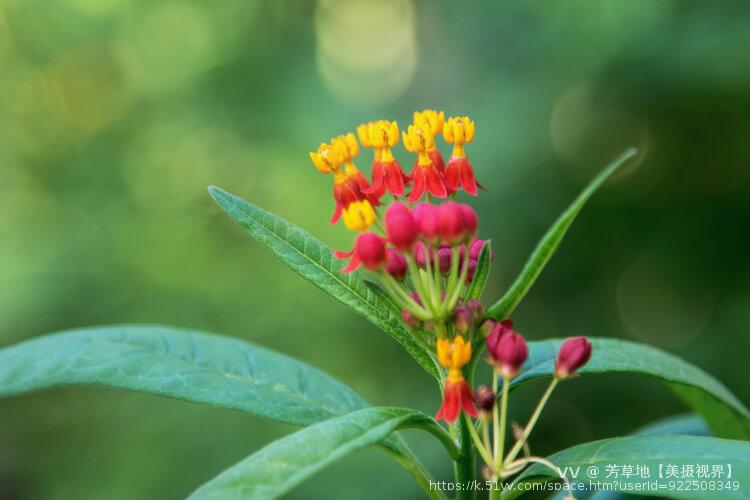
[410, 320]
[462, 320]
[470, 220]
[400, 226]
[484, 398]
[451, 223]
[476, 309]
[420, 254]
[509, 353]
[476, 247]
[369, 250]
[573, 354]
[444, 258]
[395, 264]
[472, 269]
[426, 217]
[498, 331]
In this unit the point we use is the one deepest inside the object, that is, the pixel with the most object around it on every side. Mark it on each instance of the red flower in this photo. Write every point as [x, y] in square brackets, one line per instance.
[387, 174]
[457, 396]
[425, 175]
[459, 131]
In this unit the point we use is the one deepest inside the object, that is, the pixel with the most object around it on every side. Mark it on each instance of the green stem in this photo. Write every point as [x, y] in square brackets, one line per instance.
[404, 299]
[464, 466]
[410, 462]
[416, 279]
[483, 451]
[500, 437]
[532, 421]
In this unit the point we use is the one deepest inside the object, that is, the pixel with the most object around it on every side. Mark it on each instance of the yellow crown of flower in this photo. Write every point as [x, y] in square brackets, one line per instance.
[346, 146]
[454, 353]
[379, 134]
[327, 159]
[359, 215]
[419, 138]
[459, 130]
[432, 118]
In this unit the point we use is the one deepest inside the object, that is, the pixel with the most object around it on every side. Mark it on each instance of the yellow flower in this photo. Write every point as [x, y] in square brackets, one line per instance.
[383, 133]
[454, 353]
[346, 146]
[327, 159]
[432, 118]
[359, 215]
[459, 130]
[418, 139]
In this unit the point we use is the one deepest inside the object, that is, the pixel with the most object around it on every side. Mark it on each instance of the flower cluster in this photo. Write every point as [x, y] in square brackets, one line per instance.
[426, 255]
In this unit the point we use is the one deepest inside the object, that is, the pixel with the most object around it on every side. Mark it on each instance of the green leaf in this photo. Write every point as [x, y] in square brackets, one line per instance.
[723, 412]
[310, 258]
[590, 461]
[283, 464]
[481, 273]
[549, 243]
[181, 364]
[686, 424]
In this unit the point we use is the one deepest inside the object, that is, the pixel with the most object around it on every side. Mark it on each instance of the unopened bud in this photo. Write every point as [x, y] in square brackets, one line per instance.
[484, 397]
[470, 272]
[509, 353]
[395, 264]
[573, 354]
[463, 320]
[444, 259]
[400, 226]
[476, 309]
[410, 320]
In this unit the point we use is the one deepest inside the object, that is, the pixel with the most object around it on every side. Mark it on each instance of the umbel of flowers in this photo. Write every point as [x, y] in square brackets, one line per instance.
[426, 253]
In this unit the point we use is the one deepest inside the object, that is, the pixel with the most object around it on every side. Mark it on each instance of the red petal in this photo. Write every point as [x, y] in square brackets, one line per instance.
[466, 400]
[336, 214]
[343, 255]
[378, 175]
[437, 160]
[435, 183]
[394, 178]
[418, 188]
[352, 266]
[468, 182]
[452, 175]
[451, 406]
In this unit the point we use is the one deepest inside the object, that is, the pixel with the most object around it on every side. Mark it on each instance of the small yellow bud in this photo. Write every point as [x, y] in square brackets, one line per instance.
[432, 118]
[326, 159]
[359, 215]
[346, 146]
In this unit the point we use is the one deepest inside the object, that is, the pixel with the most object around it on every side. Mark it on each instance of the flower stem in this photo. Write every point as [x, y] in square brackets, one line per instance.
[483, 451]
[500, 429]
[404, 299]
[532, 421]
[416, 279]
[464, 467]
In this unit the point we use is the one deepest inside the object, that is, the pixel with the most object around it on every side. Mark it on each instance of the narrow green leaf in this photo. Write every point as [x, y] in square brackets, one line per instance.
[283, 464]
[481, 273]
[310, 258]
[589, 461]
[723, 412]
[181, 364]
[549, 243]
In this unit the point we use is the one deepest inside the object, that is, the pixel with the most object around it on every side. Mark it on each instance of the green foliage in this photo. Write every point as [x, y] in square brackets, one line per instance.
[283, 464]
[310, 258]
[546, 247]
[723, 412]
[651, 451]
[181, 364]
[686, 424]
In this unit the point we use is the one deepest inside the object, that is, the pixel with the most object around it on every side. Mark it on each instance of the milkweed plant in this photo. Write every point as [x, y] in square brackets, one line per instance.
[416, 269]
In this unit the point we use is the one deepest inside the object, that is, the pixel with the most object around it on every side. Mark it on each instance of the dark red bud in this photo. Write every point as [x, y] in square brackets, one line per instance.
[416, 297]
[410, 320]
[573, 354]
[463, 320]
[426, 217]
[420, 254]
[484, 398]
[470, 272]
[395, 264]
[370, 249]
[400, 226]
[510, 353]
[444, 258]
[476, 309]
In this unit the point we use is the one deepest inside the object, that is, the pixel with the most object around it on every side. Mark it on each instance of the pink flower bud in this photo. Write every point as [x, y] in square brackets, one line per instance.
[444, 258]
[410, 320]
[451, 223]
[573, 354]
[400, 226]
[476, 247]
[484, 398]
[395, 264]
[370, 249]
[463, 320]
[420, 254]
[470, 220]
[476, 309]
[426, 217]
[498, 331]
[472, 269]
[509, 353]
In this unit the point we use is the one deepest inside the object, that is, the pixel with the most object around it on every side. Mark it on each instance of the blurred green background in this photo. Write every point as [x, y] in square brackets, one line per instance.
[116, 115]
